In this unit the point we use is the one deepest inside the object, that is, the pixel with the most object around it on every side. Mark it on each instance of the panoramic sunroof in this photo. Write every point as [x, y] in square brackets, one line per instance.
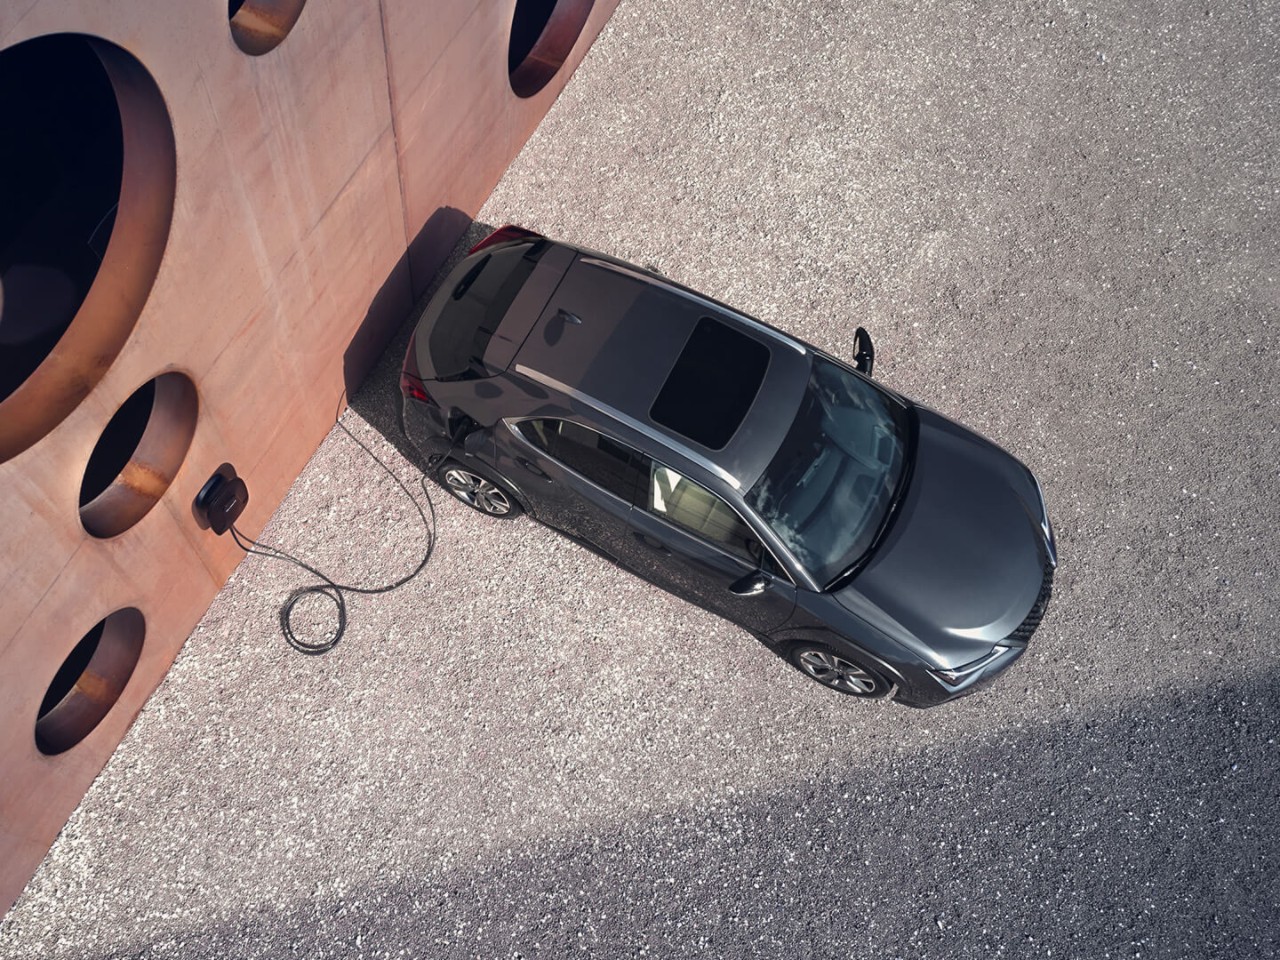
[712, 385]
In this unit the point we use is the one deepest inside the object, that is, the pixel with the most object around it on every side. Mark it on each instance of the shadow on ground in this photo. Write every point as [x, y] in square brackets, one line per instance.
[377, 399]
[1078, 836]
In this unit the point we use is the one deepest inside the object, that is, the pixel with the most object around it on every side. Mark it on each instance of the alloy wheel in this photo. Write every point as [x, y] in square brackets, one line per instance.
[836, 672]
[475, 491]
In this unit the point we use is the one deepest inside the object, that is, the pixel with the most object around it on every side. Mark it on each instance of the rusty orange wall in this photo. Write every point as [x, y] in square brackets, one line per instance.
[303, 177]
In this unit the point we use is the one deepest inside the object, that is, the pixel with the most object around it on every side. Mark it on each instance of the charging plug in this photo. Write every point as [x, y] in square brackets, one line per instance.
[221, 500]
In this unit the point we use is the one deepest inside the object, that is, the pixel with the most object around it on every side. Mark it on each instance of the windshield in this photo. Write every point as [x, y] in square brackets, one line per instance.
[830, 486]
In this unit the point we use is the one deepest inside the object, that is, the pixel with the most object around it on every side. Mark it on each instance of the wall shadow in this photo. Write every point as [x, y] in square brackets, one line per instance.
[1148, 829]
[371, 362]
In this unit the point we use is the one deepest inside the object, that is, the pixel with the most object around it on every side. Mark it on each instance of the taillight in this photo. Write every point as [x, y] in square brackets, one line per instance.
[412, 388]
[503, 235]
[410, 380]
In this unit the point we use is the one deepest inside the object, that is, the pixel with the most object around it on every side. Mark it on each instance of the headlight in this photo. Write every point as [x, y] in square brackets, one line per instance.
[959, 675]
[1046, 528]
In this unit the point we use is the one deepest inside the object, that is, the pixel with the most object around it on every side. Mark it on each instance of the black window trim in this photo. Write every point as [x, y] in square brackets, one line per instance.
[644, 430]
[513, 425]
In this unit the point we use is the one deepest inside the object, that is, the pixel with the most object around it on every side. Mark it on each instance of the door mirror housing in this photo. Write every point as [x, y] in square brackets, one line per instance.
[752, 585]
[864, 352]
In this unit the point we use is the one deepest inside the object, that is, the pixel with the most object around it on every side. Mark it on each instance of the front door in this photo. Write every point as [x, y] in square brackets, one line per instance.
[691, 542]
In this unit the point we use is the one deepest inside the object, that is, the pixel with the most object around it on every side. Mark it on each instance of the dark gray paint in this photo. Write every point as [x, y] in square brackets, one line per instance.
[633, 328]
[963, 563]
[962, 559]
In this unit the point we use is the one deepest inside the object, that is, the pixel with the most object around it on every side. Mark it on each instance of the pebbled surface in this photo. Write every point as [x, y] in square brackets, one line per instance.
[1059, 221]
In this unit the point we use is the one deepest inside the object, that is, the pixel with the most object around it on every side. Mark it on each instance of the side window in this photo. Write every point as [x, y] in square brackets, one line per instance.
[606, 463]
[689, 505]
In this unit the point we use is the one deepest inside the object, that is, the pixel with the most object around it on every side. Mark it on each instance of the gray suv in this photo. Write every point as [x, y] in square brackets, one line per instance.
[882, 549]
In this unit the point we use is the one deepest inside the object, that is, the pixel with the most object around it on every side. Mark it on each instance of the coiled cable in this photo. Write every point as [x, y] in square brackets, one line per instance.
[331, 589]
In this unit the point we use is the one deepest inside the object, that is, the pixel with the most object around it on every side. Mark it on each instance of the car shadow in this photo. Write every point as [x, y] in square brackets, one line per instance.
[372, 360]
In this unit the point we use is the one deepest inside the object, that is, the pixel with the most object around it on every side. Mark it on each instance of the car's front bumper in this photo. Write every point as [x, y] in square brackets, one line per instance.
[928, 688]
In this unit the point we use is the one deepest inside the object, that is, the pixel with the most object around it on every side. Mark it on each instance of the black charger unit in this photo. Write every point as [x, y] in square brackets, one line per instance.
[221, 500]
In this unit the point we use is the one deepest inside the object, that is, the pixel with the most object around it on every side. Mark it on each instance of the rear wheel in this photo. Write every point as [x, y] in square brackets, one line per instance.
[478, 491]
[838, 671]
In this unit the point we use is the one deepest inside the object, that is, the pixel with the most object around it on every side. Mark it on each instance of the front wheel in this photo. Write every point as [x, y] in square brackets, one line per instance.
[835, 670]
[477, 491]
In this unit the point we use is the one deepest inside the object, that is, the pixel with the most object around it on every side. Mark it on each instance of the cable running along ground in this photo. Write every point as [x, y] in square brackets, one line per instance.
[330, 588]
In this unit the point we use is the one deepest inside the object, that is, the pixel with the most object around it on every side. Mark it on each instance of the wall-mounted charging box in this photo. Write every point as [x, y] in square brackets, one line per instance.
[221, 500]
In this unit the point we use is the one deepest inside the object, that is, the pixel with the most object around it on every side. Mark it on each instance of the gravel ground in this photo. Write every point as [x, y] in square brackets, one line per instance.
[1060, 224]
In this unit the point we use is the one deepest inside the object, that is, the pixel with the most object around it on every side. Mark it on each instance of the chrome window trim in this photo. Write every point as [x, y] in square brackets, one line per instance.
[512, 424]
[773, 334]
[639, 427]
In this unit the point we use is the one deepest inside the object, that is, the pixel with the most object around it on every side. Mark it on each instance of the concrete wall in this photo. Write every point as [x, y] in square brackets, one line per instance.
[279, 211]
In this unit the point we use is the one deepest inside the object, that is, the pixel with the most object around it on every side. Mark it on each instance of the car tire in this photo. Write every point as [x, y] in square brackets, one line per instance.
[478, 490]
[837, 671]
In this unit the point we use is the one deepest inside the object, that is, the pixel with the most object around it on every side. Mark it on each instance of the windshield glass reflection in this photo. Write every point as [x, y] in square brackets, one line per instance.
[829, 488]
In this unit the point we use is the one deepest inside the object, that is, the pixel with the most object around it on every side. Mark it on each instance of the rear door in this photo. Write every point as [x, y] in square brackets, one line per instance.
[575, 478]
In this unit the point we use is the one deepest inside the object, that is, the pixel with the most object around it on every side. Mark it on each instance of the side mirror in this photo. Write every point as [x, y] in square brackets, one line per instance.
[752, 585]
[864, 351]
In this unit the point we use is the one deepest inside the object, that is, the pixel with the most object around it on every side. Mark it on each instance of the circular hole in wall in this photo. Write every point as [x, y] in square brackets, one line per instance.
[138, 455]
[90, 681]
[258, 26]
[87, 174]
[61, 158]
[543, 33]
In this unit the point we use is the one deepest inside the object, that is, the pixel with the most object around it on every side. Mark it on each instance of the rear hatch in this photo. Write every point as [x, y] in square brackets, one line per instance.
[485, 308]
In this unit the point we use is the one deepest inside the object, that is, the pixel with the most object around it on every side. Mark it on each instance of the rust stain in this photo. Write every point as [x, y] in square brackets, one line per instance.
[260, 25]
[144, 480]
[98, 689]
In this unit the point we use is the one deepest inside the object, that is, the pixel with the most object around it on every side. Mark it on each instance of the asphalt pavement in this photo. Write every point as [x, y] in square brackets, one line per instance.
[1059, 222]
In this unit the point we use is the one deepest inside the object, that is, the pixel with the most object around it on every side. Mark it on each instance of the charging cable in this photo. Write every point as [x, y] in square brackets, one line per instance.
[330, 588]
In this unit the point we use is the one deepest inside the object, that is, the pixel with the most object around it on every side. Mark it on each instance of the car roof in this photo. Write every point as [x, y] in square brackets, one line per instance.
[610, 335]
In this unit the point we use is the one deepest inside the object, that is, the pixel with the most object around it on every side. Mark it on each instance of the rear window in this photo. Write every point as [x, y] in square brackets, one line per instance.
[712, 385]
[604, 462]
[473, 310]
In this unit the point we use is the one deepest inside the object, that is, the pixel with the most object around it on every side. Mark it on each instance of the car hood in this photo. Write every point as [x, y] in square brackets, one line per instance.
[965, 558]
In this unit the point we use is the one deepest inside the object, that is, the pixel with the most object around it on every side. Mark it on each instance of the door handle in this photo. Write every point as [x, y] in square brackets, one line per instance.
[653, 543]
[532, 467]
[752, 585]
